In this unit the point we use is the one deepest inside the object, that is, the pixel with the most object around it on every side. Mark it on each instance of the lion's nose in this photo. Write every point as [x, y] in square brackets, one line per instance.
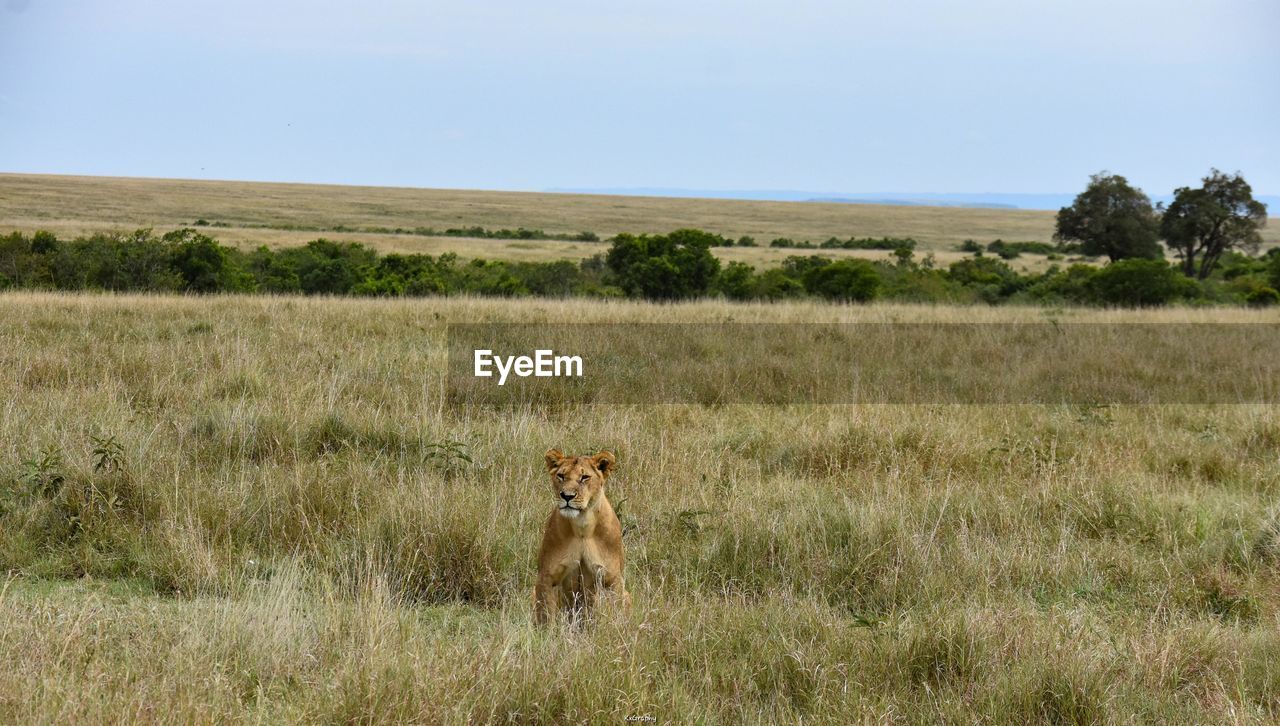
[567, 496]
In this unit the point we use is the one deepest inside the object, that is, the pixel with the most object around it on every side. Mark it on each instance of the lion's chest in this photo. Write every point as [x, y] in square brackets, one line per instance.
[579, 566]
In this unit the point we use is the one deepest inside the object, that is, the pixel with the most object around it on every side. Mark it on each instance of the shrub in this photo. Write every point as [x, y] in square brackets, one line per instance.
[1262, 297]
[664, 267]
[776, 284]
[329, 268]
[990, 278]
[204, 265]
[1072, 285]
[396, 275]
[915, 283]
[853, 280]
[272, 273]
[797, 266]
[736, 281]
[870, 243]
[488, 277]
[548, 279]
[1139, 282]
[1273, 267]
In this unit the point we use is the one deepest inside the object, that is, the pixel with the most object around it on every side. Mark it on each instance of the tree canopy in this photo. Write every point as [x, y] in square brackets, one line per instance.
[1111, 218]
[1203, 223]
[664, 267]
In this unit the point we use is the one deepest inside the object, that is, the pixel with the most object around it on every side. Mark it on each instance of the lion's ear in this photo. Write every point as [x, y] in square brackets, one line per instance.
[554, 457]
[605, 462]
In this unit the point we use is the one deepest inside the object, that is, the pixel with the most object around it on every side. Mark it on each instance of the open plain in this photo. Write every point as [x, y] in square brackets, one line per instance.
[261, 509]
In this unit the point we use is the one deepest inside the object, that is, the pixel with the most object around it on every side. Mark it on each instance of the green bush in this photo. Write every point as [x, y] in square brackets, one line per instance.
[990, 279]
[1137, 282]
[870, 243]
[664, 267]
[1072, 285]
[736, 281]
[1262, 297]
[272, 273]
[204, 265]
[914, 283]
[1011, 250]
[776, 284]
[787, 243]
[678, 265]
[850, 280]
[1272, 259]
[329, 268]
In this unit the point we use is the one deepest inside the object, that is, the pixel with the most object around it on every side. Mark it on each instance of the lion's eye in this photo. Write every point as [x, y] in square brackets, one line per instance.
[584, 478]
[560, 477]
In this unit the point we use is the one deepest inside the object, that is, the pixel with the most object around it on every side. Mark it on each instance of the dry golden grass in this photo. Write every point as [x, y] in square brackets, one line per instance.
[281, 541]
[494, 249]
[27, 200]
[71, 206]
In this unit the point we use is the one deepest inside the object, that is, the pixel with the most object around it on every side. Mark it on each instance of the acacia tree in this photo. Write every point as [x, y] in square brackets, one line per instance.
[1201, 224]
[1111, 218]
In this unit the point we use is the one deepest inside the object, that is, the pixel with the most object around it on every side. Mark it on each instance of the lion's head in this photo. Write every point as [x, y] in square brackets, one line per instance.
[577, 481]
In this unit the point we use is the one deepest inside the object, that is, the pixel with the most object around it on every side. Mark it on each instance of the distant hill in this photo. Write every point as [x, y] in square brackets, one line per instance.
[977, 200]
[912, 202]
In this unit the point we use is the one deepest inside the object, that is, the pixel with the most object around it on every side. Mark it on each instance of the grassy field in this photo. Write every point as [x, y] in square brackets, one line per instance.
[255, 213]
[90, 201]
[249, 509]
[260, 213]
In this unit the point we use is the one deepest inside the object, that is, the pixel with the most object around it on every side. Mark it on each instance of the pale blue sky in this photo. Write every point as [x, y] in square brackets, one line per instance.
[909, 96]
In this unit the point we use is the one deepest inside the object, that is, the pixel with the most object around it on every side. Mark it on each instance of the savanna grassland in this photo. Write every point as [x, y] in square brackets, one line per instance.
[40, 200]
[282, 215]
[235, 509]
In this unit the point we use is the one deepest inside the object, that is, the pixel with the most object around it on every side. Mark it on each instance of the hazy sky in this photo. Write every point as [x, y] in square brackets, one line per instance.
[906, 96]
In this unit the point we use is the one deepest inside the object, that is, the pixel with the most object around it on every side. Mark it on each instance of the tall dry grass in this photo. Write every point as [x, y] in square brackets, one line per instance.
[294, 527]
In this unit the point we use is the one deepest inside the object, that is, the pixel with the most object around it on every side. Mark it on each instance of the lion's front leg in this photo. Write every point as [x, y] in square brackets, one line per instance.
[610, 590]
[546, 602]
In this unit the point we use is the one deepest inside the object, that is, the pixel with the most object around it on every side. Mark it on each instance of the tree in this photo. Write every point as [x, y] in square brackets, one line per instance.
[1111, 218]
[664, 267]
[1204, 223]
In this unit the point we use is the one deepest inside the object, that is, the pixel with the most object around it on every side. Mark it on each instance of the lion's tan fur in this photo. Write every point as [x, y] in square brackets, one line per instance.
[580, 561]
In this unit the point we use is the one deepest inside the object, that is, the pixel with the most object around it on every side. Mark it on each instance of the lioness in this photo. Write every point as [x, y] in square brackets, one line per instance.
[581, 556]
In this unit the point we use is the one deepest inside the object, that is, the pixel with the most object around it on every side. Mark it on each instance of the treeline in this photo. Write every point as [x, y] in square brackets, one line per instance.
[853, 243]
[674, 266]
[679, 265]
[189, 261]
[1013, 250]
[476, 232]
